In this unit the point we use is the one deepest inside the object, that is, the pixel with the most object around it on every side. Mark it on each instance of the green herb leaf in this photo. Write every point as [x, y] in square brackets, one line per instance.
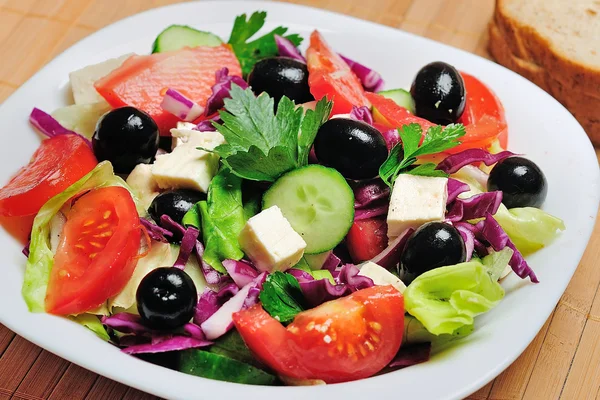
[261, 144]
[427, 169]
[248, 53]
[282, 297]
[404, 155]
[222, 219]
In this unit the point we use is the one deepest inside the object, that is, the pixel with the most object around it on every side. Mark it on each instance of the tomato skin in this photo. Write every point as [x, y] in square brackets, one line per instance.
[346, 339]
[329, 76]
[57, 164]
[367, 238]
[97, 253]
[141, 80]
[483, 116]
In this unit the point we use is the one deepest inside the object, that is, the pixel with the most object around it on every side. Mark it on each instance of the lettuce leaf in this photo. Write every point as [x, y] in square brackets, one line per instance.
[448, 298]
[41, 258]
[93, 324]
[223, 218]
[530, 229]
[415, 332]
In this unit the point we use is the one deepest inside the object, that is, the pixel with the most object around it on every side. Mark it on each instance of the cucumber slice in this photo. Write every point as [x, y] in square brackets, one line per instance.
[177, 36]
[318, 203]
[400, 97]
[215, 366]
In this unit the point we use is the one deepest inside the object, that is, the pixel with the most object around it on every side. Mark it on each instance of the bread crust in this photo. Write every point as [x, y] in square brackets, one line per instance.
[524, 51]
[527, 44]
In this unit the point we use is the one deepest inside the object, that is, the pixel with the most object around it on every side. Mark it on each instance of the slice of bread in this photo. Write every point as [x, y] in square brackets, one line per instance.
[556, 45]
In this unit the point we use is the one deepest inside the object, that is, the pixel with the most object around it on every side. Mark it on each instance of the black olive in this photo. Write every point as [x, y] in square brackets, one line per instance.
[521, 181]
[439, 93]
[433, 245]
[174, 203]
[354, 148]
[281, 76]
[166, 298]
[126, 137]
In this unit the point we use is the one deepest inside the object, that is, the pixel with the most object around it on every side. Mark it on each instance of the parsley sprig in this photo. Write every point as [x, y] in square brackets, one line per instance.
[404, 154]
[250, 52]
[261, 144]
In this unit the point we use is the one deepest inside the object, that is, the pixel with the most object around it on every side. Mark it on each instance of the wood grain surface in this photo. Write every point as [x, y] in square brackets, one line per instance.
[562, 362]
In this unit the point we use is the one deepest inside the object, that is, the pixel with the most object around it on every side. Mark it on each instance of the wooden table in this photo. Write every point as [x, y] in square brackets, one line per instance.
[562, 362]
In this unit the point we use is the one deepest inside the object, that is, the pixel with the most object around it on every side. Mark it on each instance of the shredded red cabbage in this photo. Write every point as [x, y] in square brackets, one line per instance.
[331, 263]
[474, 207]
[25, 250]
[126, 323]
[317, 292]
[492, 232]
[390, 256]
[286, 48]
[212, 276]
[362, 113]
[176, 229]
[242, 272]
[221, 321]
[300, 275]
[392, 138]
[207, 124]
[368, 192]
[174, 343]
[190, 237]
[156, 232]
[411, 355]
[468, 237]
[49, 126]
[254, 291]
[376, 211]
[454, 188]
[453, 163]
[208, 304]
[221, 88]
[370, 79]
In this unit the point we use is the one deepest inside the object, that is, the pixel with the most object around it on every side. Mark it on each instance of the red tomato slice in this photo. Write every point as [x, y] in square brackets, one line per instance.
[97, 252]
[349, 338]
[483, 116]
[329, 76]
[367, 238]
[484, 112]
[57, 164]
[142, 80]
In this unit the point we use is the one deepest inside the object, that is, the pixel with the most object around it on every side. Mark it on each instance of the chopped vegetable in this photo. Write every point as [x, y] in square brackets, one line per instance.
[49, 126]
[220, 90]
[474, 207]
[261, 144]
[370, 79]
[403, 156]
[180, 106]
[453, 163]
[249, 52]
[286, 48]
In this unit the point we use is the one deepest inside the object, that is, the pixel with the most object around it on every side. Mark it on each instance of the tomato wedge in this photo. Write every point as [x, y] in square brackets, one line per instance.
[349, 338]
[329, 76]
[142, 80]
[367, 238]
[483, 116]
[57, 164]
[97, 252]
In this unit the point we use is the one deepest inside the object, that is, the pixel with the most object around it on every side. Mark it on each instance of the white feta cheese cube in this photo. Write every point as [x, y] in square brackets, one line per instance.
[142, 183]
[270, 242]
[185, 133]
[186, 167]
[381, 276]
[82, 80]
[416, 200]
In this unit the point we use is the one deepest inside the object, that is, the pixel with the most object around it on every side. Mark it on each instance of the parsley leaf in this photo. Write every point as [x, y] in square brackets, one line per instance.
[261, 144]
[282, 297]
[404, 154]
[249, 53]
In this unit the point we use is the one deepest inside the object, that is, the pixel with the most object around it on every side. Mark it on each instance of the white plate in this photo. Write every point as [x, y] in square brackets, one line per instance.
[539, 127]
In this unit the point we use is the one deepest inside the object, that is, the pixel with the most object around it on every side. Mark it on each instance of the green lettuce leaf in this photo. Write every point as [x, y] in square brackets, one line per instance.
[415, 332]
[448, 298]
[41, 258]
[92, 322]
[223, 218]
[530, 229]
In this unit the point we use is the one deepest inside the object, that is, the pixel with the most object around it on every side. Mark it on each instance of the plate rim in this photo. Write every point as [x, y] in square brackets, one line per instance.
[329, 389]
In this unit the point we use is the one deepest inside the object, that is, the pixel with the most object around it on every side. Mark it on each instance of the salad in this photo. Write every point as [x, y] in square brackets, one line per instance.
[244, 212]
